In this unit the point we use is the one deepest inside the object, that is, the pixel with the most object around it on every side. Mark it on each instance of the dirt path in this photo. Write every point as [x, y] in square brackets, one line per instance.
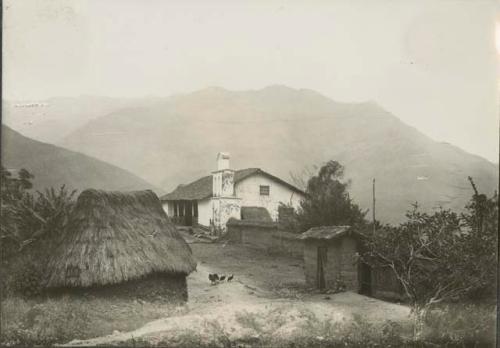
[240, 311]
[203, 295]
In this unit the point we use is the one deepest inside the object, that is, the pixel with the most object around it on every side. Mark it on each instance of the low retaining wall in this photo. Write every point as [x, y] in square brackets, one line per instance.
[256, 233]
[287, 243]
[265, 236]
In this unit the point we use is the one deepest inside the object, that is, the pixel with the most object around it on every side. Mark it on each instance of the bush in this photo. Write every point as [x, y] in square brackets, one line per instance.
[25, 277]
[25, 323]
[462, 324]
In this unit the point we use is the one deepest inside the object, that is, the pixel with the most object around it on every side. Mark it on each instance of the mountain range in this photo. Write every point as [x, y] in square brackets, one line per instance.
[171, 141]
[53, 166]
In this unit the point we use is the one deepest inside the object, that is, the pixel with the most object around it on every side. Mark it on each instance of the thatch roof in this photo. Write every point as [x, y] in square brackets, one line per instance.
[112, 237]
[255, 213]
[203, 187]
[327, 232]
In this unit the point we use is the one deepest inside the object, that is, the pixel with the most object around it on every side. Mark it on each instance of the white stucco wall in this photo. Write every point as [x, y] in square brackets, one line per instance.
[205, 212]
[225, 208]
[223, 183]
[249, 192]
[168, 207]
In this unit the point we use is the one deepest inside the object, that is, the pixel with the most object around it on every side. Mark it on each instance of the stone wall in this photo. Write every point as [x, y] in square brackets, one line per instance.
[256, 233]
[286, 218]
[287, 243]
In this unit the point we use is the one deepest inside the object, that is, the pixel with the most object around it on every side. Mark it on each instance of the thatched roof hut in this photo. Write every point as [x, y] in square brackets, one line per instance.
[115, 237]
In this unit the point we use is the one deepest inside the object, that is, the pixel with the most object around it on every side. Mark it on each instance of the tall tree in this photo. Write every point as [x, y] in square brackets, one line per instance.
[327, 201]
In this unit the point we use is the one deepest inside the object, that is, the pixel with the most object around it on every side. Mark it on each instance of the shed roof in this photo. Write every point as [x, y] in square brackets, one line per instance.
[203, 187]
[326, 232]
[112, 237]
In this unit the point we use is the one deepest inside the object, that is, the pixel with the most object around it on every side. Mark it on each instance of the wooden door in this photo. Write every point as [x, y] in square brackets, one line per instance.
[322, 259]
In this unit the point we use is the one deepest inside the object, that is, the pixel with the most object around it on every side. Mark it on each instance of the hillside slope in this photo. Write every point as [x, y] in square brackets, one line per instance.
[284, 130]
[54, 166]
[53, 119]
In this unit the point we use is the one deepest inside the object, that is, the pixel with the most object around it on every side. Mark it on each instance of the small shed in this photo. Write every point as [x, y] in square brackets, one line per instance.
[121, 243]
[330, 258]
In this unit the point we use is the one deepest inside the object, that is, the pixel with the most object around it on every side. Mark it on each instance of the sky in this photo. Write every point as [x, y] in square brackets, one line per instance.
[432, 63]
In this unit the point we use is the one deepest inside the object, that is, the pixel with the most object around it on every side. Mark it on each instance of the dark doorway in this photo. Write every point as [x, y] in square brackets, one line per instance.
[365, 279]
[322, 259]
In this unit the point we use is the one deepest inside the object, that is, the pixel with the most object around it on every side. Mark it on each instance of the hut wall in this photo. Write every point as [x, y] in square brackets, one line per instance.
[310, 262]
[330, 269]
[333, 263]
[155, 287]
[340, 263]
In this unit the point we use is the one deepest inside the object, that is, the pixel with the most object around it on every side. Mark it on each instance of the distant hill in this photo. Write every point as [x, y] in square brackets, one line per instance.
[51, 120]
[284, 130]
[55, 166]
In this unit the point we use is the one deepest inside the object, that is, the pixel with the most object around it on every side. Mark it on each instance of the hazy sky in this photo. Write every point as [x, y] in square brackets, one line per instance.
[432, 63]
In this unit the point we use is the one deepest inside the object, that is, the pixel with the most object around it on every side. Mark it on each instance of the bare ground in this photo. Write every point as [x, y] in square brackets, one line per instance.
[254, 304]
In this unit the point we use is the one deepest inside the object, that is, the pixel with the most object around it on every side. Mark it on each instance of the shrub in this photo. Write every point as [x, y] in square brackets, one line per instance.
[25, 277]
[26, 323]
[461, 324]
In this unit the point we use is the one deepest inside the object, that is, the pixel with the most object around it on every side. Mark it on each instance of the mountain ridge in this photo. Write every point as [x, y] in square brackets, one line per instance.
[53, 166]
[284, 130]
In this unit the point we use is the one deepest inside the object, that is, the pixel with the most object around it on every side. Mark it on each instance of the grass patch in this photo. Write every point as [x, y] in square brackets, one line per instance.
[28, 323]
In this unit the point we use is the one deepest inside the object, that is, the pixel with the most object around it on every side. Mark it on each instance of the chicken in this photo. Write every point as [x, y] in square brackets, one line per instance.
[222, 277]
[230, 277]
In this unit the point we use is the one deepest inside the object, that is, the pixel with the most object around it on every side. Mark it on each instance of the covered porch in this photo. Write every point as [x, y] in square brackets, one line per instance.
[183, 212]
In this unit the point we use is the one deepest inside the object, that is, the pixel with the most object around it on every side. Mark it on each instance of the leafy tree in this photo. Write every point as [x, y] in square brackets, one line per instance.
[27, 216]
[441, 257]
[327, 201]
[31, 224]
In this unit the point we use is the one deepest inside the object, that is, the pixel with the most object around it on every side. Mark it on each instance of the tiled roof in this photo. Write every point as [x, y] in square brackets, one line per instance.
[199, 189]
[202, 188]
[326, 232]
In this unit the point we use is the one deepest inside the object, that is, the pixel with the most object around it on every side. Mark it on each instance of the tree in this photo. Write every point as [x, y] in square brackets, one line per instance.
[441, 257]
[327, 200]
[26, 217]
[31, 224]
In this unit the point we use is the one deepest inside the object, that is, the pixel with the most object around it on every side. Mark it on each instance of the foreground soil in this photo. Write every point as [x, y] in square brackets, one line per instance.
[266, 298]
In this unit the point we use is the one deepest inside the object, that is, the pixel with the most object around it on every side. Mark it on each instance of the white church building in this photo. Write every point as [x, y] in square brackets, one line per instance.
[212, 200]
